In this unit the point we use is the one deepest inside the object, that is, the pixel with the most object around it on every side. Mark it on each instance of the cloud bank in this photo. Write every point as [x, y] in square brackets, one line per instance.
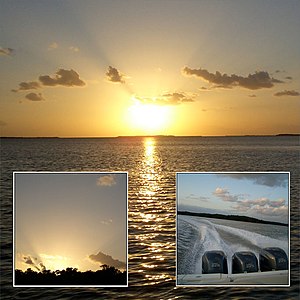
[74, 49]
[167, 99]
[106, 180]
[225, 195]
[25, 86]
[105, 259]
[113, 75]
[258, 80]
[67, 78]
[53, 46]
[268, 179]
[262, 206]
[34, 97]
[6, 51]
[28, 260]
[287, 93]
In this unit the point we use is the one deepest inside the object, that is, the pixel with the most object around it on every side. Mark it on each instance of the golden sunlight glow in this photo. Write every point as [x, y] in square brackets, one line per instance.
[56, 262]
[149, 117]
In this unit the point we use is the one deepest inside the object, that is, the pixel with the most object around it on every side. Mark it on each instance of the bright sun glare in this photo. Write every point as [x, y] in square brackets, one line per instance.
[149, 117]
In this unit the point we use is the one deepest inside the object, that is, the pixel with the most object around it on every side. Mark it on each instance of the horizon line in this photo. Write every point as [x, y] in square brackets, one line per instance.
[147, 135]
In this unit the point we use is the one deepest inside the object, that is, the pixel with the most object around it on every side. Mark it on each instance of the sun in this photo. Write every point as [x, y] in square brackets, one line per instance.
[151, 118]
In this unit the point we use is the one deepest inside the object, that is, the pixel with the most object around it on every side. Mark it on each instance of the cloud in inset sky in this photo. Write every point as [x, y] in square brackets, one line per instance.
[258, 80]
[6, 51]
[34, 97]
[197, 198]
[113, 75]
[174, 98]
[53, 46]
[67, 78]
[106, 180]
[28, 260]
[25, 86]
[268, 179]
[106, 222]
[225, 195]
[74, 49]
[105, 259]
[252, 96]
[263, 206]
[287, 93]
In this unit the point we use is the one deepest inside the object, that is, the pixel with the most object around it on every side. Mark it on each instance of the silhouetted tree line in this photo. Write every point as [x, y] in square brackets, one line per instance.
[230, 217]
[71, 276]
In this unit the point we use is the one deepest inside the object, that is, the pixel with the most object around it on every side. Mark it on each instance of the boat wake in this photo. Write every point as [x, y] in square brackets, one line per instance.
[197, 235]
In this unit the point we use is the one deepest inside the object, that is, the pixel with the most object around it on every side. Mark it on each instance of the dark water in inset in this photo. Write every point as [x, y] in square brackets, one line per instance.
[151, 164]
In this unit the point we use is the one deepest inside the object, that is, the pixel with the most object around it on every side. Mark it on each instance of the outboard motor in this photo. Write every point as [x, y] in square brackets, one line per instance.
[214, 262]
[273, 258]
[244, 262]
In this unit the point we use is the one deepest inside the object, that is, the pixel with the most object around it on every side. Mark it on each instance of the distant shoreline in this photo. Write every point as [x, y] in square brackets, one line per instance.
[149, 136]
[230, 217]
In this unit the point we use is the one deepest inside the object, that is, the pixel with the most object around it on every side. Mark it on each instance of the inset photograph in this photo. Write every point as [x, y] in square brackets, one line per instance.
[232, 229]
[70, 229]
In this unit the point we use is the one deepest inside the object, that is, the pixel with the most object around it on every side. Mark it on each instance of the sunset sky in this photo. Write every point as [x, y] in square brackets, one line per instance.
[264, 196]
[74, 220]
[136, 67]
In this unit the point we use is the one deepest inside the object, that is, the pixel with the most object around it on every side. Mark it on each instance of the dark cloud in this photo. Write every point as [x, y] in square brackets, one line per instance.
[289, 77]
[167, 99]
[203, 88]
[6, 51]
[268, 179]
[113, 75]
[287, 93]
[176, 98]
[42, 266]
[27, 259]
[25, 86]
[34, 97]
[252, 96]
[255, 81]
[105, 259]
[67, 78]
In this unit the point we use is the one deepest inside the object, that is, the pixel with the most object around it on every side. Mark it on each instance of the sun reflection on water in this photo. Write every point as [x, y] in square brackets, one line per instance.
[151, 222]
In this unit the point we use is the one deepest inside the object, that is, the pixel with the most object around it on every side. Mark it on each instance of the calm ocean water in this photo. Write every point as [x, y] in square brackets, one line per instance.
[152, 164]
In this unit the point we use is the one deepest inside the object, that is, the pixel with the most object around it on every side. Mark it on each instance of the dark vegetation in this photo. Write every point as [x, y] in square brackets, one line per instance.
[230, 217]
[71, 276]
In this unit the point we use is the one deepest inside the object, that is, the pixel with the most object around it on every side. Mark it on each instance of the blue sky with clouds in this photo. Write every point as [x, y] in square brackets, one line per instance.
[260, 195]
